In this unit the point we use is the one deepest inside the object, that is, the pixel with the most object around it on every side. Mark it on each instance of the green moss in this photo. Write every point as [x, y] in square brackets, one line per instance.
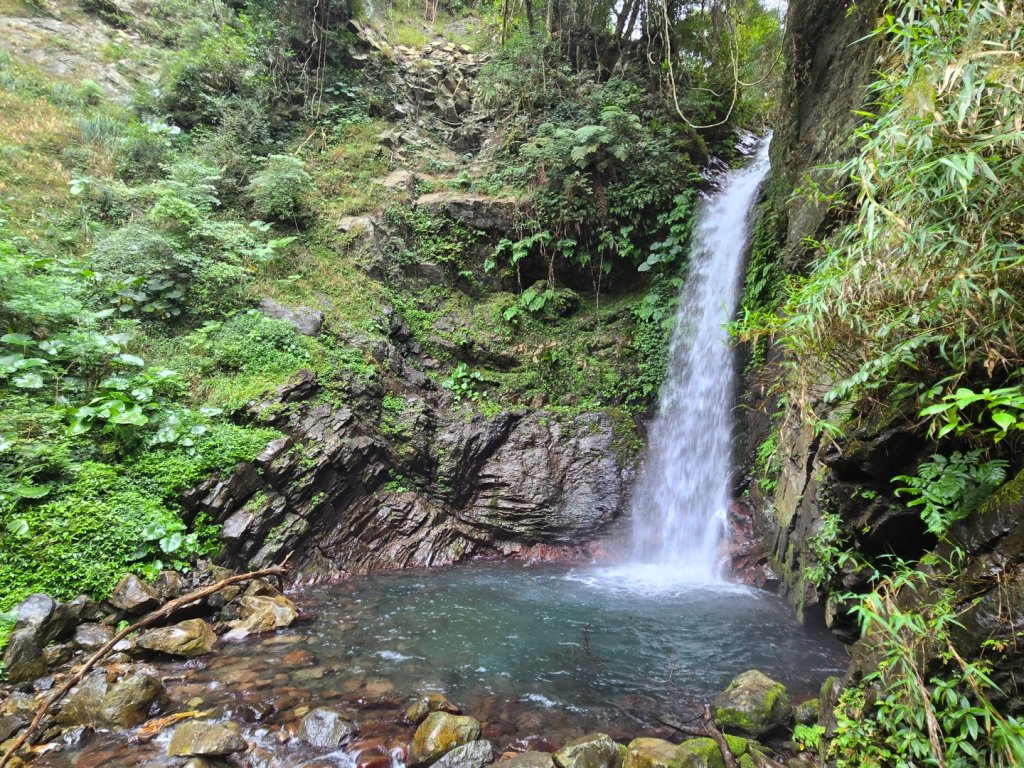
[1009, 494]
[700, 753]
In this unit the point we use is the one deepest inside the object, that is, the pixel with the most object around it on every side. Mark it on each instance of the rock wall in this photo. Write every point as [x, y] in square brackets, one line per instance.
[340, 496]
[828, 63]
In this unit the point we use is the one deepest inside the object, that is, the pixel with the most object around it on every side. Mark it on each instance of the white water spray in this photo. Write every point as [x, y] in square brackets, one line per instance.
[681, 499]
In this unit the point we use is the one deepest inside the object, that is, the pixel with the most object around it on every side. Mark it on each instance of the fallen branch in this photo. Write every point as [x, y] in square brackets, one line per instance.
[723, 746]
[163, 612]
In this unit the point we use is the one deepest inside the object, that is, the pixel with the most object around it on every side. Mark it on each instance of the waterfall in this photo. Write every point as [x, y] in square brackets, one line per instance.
[680, 502]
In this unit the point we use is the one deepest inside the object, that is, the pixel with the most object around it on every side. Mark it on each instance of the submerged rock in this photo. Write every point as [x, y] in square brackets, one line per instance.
[439, 734]
[595, 750]
[133, 595]
[205, 738]
[476, 754]
[188, 639]
[752, 705]
[427, 702]
[327, 728]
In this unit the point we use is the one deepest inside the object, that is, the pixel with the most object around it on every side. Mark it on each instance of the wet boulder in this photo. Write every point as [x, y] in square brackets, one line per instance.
[23, 656]
[808, 712]
[752, 705]
[595, 750]
[476, 754]
[83, 706]
[50, 619]
[133, 595]
[427, 702]
[262, 613]
[91, 637]
[326, 728]
[529, 760]
[205, 738]
[129, 702]
[439, 734]
[10, 725]
[187, 639]
[652, 753]
[700, 753]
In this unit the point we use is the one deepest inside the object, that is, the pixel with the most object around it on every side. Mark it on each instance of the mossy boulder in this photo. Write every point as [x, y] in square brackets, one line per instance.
[700, 753]
[439, 734]
[807, 712]
[205, 738]
[595, 750]
[652, 753]
[752, 705]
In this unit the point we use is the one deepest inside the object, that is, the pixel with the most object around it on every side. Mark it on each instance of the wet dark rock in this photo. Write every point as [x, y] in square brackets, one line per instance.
[23, 656]
[595, 750]
[752, 705]
[188, 639]
[476, 754]
[168, 584]
[652, 753]
[133, 595]
[326, 728]
[10, 725]
[50, 619]
[92, 637]
[58, 653]
[205, 738]
[529, 760]
[807, 712]
[427, 702]
[304, 320]
[128, 702]
[85, 608]
[440, 733]
[83, 706]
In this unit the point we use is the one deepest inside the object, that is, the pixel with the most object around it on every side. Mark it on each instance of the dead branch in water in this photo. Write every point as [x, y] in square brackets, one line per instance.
[168, 609]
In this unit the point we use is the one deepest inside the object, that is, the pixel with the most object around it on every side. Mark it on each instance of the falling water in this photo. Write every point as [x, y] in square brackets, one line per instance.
[681, 499]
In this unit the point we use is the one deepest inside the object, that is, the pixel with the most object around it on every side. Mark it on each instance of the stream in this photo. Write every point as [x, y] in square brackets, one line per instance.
[539, 654]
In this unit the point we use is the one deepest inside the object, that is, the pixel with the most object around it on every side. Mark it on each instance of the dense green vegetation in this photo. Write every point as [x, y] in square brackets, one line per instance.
[141, 229]
[910, 313]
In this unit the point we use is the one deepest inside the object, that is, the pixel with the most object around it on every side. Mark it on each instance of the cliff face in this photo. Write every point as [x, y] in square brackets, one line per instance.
[843, 485]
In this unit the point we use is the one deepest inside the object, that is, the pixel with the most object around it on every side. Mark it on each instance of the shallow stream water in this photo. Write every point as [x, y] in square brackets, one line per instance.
[539, 654]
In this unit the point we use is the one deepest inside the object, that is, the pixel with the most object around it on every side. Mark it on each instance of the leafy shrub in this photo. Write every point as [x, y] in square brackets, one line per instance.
[85, 538]
[279, 187]
[221, 63]
[254, 343]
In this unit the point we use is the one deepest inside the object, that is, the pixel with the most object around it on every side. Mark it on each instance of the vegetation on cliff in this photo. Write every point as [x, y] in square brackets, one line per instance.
[908, 318]
[170, 225]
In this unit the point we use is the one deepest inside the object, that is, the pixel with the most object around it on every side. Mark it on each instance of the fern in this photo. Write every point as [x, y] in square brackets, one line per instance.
[949, 489]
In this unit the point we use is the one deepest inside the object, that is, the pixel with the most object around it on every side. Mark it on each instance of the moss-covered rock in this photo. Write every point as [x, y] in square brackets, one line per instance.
[652, 753]
[700, 753]
[595, 750]
[752, 705]
[439, 734]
